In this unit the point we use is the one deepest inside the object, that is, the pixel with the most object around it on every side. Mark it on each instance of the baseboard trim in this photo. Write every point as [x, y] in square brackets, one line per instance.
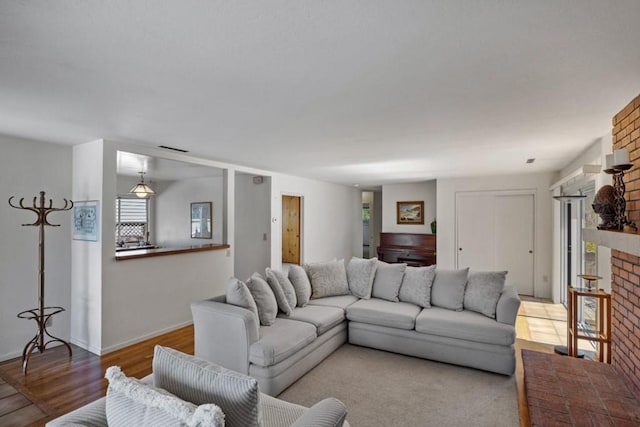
[141, 338]
[85, 345]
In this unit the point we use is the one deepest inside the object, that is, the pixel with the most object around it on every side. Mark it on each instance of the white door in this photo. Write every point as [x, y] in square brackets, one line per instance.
[496, 232]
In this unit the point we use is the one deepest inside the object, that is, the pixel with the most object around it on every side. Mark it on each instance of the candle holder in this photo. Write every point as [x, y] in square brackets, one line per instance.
[620, 204]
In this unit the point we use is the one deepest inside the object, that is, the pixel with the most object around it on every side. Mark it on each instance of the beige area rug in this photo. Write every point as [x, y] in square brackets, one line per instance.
[386, 389]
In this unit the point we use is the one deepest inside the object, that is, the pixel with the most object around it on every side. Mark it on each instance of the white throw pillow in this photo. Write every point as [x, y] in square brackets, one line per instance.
[130, 402]
[238, 294]
[386, 284]
[328, 279]
[416, 285]
[360, 275]
[199, 381]
[301, 284]
[483, 291]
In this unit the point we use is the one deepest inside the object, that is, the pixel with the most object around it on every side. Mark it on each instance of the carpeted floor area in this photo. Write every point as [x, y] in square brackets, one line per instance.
[385, 389]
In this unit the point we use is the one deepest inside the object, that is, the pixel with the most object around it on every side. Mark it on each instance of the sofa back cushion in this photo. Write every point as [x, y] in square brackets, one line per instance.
[130, 402]
[416, 285]
[388, 280]
[264, 299]
[327, 278]
[360, 275]
[237, 293]
[448, 288]
[282, 289]
[199, 382]
[483, 291]
[301, 284]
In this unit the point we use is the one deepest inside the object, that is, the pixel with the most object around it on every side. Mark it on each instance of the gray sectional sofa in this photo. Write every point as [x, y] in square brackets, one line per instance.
[440, 324]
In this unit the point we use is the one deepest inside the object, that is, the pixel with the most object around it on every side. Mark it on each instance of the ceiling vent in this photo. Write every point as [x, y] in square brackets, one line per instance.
[179, 150]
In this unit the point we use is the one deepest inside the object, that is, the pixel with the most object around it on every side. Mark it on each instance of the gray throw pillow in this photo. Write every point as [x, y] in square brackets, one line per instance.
[328, 279]
[448, 288]
[238, 294]
[386, 284]
[360, 275]
[198, 381]
[287, 287]
[301, 284]
[130, 402]
[483, 291]
[264, 298]
[279, 291]
[416, 285]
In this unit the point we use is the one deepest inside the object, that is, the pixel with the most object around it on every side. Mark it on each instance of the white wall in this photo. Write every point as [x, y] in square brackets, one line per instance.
[173, 210]
[252, 222]
[539, 183]
[29, 167]
[419, 191]
[86, 263]
[331, 219]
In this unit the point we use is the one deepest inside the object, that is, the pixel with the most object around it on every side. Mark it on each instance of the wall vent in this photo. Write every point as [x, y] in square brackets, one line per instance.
[166, 147]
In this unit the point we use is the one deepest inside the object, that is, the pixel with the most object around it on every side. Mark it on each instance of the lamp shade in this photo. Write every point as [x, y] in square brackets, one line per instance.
[141, 189]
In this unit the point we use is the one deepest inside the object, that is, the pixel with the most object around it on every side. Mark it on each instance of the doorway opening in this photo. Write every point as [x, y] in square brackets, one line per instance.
[291, 229]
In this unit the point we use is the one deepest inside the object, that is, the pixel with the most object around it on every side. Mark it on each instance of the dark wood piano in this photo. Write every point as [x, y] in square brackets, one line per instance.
[412, 248]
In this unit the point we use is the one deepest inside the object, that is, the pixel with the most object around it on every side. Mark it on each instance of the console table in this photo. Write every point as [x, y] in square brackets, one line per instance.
[603, 320]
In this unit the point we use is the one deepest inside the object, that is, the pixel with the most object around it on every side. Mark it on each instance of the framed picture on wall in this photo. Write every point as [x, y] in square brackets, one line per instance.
[410, 212]
[201, 219]
[86, 220]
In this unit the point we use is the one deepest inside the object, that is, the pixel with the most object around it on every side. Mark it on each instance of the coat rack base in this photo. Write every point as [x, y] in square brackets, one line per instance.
[43, 338]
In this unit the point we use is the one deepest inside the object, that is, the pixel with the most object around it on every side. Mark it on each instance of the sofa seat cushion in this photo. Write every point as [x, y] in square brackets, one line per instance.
[465, 325]
[280, 340]
[376, 311]
[322, 317]
[342, 301]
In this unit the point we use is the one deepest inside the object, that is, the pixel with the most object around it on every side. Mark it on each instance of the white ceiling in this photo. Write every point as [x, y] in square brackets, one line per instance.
[350, 91]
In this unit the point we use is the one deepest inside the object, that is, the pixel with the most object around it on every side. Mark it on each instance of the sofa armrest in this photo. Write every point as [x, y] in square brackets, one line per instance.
[508, 305]
[90, 415]
[223, 333]
[329, 412]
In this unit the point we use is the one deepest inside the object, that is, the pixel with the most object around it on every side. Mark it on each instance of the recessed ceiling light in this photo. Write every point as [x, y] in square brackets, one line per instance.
[529, 161]
[356, 185]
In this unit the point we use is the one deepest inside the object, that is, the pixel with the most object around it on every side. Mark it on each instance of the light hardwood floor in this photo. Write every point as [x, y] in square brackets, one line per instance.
[56, 385]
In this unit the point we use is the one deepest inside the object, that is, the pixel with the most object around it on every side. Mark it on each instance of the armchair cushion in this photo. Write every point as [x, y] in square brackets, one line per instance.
[329, 412]
[131, 402]
[198, 381]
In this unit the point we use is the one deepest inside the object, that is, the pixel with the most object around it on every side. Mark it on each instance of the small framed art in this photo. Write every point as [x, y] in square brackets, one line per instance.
[410, 212]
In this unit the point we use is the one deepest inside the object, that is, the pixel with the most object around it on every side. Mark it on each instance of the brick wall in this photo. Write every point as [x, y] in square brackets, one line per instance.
[625, 268]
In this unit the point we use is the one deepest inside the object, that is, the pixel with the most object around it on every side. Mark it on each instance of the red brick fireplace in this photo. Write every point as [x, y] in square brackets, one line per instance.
[625, 268]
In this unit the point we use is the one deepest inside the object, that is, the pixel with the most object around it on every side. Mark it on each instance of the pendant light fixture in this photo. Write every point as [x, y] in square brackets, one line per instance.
[141, 189]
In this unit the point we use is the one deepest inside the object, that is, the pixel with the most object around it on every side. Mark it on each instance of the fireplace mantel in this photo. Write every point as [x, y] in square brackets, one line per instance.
[618, 240]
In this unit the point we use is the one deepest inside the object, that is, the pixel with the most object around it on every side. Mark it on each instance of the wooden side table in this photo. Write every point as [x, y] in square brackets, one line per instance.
[603, 321]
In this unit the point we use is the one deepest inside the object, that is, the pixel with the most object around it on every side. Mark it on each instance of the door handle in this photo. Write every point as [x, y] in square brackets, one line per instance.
[530, 252]
[459, 249]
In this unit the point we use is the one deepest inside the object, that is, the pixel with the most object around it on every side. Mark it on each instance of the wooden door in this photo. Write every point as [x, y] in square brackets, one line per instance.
[291, 229]
[496, 232]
